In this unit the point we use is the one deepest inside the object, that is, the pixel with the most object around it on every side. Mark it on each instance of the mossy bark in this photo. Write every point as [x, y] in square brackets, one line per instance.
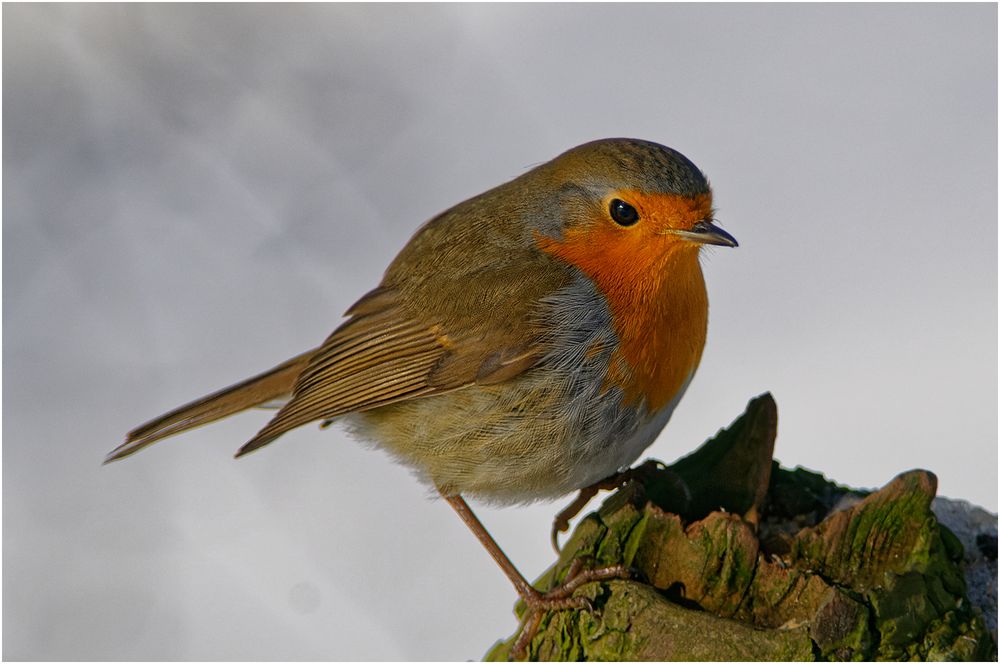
[739, 559]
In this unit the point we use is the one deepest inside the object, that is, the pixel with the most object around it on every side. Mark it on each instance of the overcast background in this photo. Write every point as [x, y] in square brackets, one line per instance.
[195, 193]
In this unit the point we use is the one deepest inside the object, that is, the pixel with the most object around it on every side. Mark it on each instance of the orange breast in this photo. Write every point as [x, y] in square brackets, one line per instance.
[656, 293]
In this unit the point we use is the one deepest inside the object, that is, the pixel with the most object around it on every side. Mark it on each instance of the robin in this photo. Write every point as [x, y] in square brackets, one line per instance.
[526, 343]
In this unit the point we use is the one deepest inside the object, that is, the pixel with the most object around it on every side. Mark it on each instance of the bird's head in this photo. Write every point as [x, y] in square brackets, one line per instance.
[627, 203]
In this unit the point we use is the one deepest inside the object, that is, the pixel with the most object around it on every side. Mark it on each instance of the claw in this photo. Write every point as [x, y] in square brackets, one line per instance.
[561, 523]
[560, 599]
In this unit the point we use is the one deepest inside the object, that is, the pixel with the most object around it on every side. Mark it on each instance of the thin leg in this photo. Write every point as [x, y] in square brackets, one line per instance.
[526, 634]
[524, 589]
[555, 599]
[561, 523]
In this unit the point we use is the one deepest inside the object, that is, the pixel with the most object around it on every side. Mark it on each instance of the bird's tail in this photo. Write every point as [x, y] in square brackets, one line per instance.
[274, 384]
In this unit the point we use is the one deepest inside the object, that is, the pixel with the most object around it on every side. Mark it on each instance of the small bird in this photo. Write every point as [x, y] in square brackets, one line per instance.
[526, 343]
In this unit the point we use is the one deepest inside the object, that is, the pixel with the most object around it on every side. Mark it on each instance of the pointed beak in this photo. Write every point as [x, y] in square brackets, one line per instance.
[705, 232]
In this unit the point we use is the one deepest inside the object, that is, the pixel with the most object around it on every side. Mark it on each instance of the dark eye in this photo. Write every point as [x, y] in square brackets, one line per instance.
[623, 213]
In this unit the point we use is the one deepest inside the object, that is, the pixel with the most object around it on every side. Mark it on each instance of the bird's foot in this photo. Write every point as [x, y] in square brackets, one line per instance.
[561, 598]
[641, 472]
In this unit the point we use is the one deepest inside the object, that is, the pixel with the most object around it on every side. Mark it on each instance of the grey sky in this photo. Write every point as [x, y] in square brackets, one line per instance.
[195, 193]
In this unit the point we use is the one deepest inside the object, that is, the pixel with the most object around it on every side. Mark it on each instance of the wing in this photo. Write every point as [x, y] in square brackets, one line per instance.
[389, 354]
[458, 306]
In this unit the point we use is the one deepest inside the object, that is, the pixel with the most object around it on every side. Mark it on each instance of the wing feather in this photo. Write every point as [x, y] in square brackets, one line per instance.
[372, 360]
[425, 330]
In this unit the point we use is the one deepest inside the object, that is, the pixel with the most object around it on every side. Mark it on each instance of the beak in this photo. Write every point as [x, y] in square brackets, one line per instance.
[705, 232]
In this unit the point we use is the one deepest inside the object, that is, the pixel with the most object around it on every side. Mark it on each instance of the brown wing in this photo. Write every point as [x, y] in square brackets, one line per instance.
[456, 307]
[385, 354]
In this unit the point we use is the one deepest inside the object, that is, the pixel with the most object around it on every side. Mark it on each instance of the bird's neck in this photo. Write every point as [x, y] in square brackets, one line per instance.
[661, 320]
[656, 294]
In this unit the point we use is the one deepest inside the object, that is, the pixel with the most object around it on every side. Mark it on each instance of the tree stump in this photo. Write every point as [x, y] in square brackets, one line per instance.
[737, 558]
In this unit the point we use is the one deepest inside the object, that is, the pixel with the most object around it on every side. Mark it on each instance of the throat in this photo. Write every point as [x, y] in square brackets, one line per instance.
[661, 319]
[656, 293]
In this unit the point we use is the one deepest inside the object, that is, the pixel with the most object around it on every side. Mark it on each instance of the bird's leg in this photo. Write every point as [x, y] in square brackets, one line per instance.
[524, 589]
[555, 599]
[561, 523]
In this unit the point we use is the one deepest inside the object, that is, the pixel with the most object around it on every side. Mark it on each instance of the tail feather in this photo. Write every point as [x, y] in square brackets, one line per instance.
[256, 391]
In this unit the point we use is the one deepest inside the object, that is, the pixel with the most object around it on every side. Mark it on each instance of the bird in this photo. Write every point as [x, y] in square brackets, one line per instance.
[526, 343]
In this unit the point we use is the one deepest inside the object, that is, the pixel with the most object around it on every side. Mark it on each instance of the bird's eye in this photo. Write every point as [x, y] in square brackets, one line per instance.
[623, 213]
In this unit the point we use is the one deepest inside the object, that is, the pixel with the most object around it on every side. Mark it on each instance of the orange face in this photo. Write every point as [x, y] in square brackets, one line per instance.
[653, 284]
[663, 212]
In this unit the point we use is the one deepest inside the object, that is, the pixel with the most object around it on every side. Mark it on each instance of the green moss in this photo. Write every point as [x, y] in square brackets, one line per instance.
[880, 580]
[889, 531]
[840, 628]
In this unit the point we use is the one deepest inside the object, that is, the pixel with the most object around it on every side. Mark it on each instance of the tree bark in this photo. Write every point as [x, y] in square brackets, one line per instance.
[736, 558]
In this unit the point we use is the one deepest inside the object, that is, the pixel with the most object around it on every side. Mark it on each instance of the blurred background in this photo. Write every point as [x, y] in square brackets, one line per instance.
[194, 193]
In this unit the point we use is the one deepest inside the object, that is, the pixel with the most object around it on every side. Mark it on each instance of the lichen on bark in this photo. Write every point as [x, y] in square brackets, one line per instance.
[737, 558]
